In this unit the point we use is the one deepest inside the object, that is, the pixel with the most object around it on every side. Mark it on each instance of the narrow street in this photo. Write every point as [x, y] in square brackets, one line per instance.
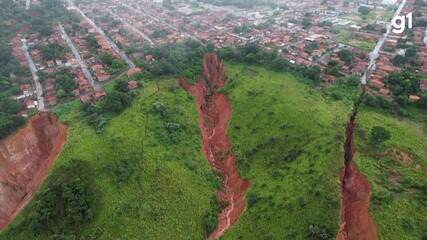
[36, 80]
[375, 53]
[139, 10]
[425, 37]
[131, 27]
[79, 59]
[115, 48]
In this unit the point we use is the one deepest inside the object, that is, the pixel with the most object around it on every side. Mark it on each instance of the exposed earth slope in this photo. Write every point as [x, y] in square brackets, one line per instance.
[214, 111]
[25, 160]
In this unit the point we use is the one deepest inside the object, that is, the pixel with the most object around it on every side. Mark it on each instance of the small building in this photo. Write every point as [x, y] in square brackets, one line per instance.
[133, 71]
[132, 85]
[414, 98]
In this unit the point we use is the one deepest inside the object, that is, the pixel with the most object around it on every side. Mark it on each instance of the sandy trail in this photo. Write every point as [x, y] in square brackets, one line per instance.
[214, 111]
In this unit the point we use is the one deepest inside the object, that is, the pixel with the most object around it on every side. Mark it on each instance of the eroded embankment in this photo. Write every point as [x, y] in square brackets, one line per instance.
[355, 220]
[25, 159]
[214, 111]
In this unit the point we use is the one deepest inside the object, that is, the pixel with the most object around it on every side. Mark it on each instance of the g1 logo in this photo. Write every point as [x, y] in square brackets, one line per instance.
[399, 23]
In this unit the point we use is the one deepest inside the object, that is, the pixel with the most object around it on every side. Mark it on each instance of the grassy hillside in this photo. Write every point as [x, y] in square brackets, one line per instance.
[159, 193]
[397, 173]
[149, 179]
[287, 140]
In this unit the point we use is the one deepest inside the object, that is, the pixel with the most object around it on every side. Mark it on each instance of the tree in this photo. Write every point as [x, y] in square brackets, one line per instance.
[379, 134]
[364, 10]
[10, 106]
[346, 56]
[306, 23]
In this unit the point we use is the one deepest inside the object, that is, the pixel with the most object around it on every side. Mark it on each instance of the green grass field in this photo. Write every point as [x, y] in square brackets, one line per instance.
[287, 137]
[171, 190]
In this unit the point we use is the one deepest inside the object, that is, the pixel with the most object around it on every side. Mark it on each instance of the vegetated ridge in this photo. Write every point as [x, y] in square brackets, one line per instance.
[214, 111]
[25, 160]
[355, 220]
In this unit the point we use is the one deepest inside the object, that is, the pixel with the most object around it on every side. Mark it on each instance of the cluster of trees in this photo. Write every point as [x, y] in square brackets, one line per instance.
[65, 203]
[64, 83]
[177, 59]
[115, 102]
[402, 84]
[160, 33]
[252, 53]
[113, 65]
[410, 58]
[52, 51]
[346, 56]
[9, 118]
[169, 122]
[333, 68]
[364, 11]
[9, 108]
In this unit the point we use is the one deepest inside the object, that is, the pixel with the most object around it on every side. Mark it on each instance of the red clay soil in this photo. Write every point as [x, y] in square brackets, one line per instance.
[355, 220]
[214, 110]
[25, 160]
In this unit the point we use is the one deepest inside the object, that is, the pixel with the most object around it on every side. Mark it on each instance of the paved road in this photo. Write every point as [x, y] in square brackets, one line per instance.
[373, 56]
[79, 59]
[132, 28]
[425, 37]
[36, 80]
[115, 48]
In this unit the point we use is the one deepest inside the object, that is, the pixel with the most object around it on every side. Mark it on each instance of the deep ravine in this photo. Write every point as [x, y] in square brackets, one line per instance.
[25, 160]
[355, 220]
[214, 111]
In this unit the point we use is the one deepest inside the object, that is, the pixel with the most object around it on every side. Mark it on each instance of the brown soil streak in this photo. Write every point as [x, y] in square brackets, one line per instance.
[214, 110]
[25, 160]
[355, 220]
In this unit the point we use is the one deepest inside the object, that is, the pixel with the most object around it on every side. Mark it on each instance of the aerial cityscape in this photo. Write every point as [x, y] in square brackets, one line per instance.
[213, 119]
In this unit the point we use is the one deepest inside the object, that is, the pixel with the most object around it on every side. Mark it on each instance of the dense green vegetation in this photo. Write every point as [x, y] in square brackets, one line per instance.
[52, 51]
[143, 184]
[287, 140]
[64, 84]
[64, 206]
[177, 60]
[9, 66]
[252, 53]
[113, 65]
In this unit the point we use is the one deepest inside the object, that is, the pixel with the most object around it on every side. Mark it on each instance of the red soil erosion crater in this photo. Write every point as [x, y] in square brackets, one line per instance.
[355, 220]
[214, 110]
[25, 160]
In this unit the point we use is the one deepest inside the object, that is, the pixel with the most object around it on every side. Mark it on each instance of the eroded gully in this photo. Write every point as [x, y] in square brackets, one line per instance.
[214, 111]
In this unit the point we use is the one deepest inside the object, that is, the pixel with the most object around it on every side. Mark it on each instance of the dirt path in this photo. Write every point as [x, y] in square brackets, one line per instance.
[25, 160]
[355, 220]
[214, 110]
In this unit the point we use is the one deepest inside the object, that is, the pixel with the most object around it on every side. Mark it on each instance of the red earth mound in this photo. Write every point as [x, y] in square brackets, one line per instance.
[355, 220]
[25, 159]
[214, 111]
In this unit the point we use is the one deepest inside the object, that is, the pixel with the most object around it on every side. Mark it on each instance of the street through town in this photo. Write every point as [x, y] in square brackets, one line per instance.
[375, 53]
[131, 27]
[115, 48]
[79, 59]
[36, 80]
